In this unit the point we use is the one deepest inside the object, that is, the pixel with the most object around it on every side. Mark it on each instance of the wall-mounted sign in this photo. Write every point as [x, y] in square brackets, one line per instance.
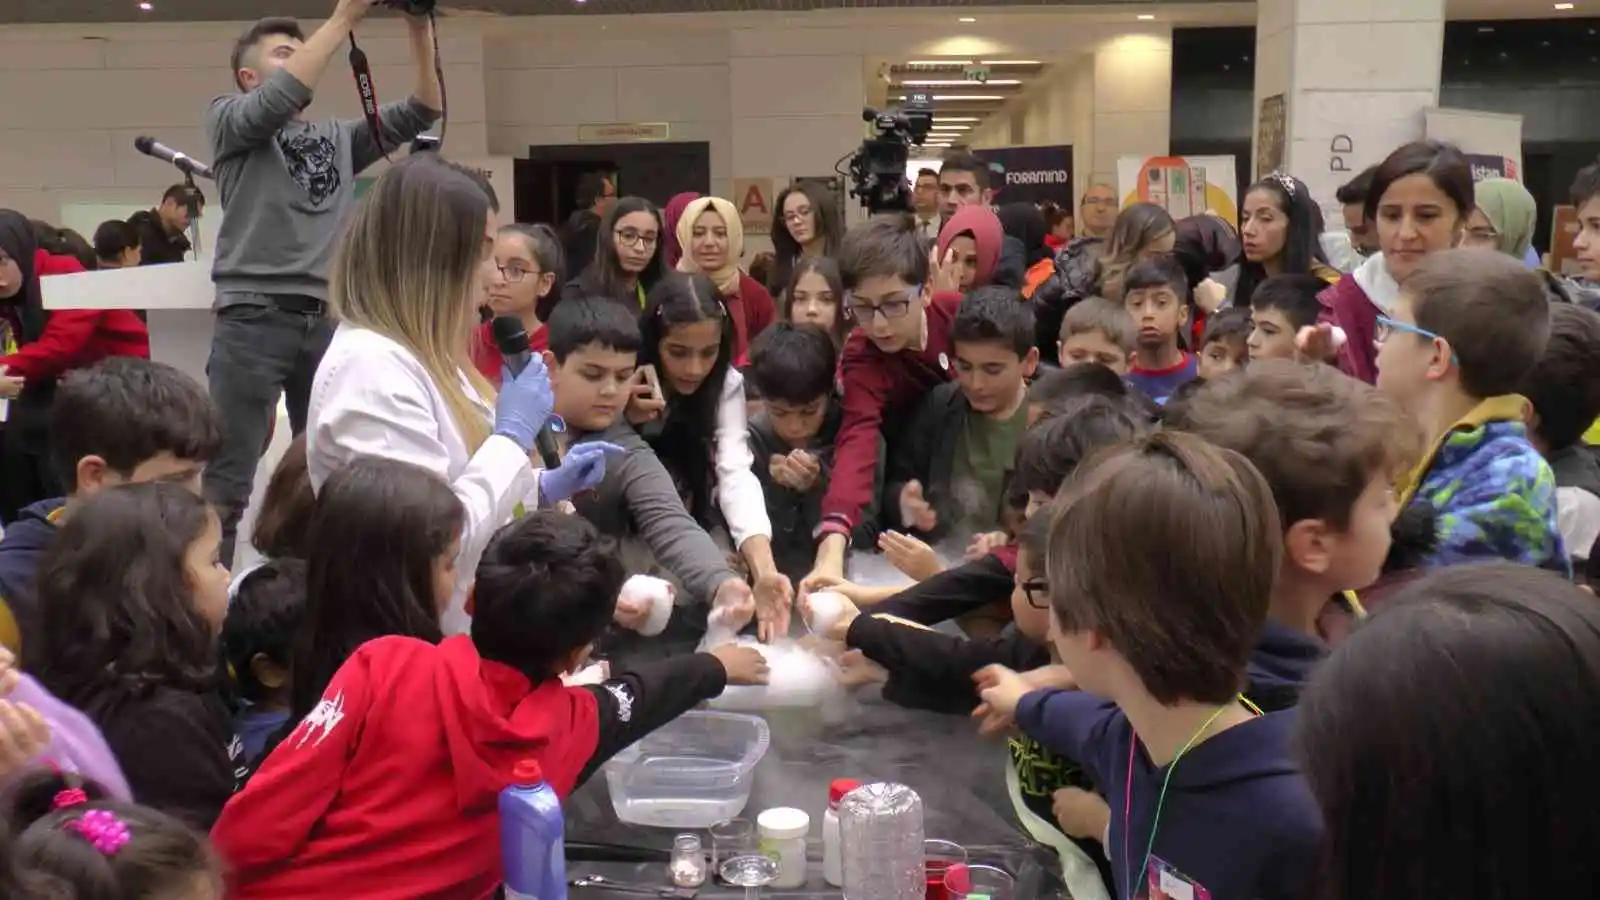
[1031, 174]
[622, 132]
[754, 198]
[1271, 131]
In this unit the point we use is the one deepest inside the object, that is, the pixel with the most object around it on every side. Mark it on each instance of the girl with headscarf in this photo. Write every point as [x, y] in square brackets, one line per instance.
[673, 213]
[37, 347]
[713, 240]
[1503, 218]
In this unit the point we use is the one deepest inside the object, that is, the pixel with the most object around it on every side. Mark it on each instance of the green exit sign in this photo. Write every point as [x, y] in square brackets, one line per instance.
[979, 74]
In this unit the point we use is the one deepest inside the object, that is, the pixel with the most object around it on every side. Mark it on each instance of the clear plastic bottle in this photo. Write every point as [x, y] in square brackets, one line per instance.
[832, 852]
[880, 836]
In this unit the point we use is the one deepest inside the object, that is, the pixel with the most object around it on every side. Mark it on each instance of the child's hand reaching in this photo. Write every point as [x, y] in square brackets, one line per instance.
[984, 544]
[829, 613]
[910, 555]
[856, 670]
[1081, 813]
[744, 664]
[23, 734]
[734, 605]
[915, 510]
[774, 595]
[800, 470]
[1001, 688]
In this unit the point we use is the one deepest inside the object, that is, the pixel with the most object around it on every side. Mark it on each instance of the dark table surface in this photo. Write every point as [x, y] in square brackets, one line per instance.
[960, 777]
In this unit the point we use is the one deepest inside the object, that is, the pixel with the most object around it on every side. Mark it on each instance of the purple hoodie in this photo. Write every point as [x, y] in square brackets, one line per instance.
[75, 743]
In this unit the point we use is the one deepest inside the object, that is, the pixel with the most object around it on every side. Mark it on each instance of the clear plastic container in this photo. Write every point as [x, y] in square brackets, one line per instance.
[693, 772]
[881, 836]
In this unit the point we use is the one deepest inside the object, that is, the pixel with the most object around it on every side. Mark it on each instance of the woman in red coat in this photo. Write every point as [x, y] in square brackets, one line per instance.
[713, 240]
[37, 347]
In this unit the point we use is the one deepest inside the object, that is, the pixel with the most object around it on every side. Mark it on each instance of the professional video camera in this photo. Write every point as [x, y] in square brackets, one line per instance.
[410, 7]
[878, 169]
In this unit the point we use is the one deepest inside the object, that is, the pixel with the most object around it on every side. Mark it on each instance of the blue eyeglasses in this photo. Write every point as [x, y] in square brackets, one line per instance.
[1387, 327]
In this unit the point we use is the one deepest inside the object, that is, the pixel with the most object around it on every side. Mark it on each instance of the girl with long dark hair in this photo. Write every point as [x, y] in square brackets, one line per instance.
[627, 257]
[1281, 228]
[805, 225]
[131, 600]
[702, 436]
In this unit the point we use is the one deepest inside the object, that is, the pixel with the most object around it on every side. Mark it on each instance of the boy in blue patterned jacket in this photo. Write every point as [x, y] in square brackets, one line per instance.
[1465, 331]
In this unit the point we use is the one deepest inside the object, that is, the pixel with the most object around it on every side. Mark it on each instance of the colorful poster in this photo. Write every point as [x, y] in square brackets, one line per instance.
[1031, 174]
[754, 198]
[1182, 185]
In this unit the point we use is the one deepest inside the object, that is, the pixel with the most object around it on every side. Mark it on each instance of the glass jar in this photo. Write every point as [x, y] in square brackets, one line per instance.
[688, 864]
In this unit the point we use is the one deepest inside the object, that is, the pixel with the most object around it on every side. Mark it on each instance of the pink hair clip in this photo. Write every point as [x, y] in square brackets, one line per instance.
[69, 797]
[102, 829]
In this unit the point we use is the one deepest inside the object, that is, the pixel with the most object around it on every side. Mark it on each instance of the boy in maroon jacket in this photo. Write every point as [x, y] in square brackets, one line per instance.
[901, 302]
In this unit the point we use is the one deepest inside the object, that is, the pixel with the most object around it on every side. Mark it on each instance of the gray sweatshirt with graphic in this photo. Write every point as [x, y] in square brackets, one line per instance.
[638, 497]
[286, 185]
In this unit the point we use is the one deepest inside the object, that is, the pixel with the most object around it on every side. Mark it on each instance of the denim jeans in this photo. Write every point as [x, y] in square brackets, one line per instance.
[263, 346]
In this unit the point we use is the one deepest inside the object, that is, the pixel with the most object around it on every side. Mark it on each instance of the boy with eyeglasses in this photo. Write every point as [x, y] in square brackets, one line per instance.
[1466, 330]
[899, 351]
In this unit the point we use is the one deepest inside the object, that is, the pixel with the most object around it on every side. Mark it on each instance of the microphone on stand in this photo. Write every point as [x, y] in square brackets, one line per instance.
[511, 338]
[149, 146]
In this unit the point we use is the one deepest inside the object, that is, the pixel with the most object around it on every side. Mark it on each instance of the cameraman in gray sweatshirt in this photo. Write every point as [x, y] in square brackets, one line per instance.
[285, 185]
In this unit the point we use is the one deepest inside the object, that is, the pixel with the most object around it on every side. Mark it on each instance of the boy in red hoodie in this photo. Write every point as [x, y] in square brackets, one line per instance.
[901, 300]
[388, 788]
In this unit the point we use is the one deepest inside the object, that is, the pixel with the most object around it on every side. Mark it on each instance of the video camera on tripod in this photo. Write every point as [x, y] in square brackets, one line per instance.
[878, 168]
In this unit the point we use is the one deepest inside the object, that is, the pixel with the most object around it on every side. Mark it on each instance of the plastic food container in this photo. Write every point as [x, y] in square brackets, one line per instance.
[691, 773]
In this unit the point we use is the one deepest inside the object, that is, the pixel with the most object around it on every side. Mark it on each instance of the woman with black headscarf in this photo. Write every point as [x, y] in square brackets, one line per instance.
[1025, 223]
[1205, 244]
[38, 347]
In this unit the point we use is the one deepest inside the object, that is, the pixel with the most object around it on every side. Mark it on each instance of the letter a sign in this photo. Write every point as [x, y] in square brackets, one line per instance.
[754, 197]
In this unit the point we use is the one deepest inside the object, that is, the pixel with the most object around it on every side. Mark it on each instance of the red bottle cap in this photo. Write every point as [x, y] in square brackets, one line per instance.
[527, 772]
[839, 787]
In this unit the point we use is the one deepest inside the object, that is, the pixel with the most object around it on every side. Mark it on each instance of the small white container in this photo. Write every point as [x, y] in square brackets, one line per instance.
[783, 831]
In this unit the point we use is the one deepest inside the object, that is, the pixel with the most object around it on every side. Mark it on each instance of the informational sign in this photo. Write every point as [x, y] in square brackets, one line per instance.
[623, 132]
[979, 74]
[1563, 230]
[1271, 128]
[1182, 185]
[1030, 174]
[754, 199]
[1492, 141]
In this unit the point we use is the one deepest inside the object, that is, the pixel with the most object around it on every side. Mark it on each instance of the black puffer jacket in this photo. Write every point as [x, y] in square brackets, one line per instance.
[1077, 276]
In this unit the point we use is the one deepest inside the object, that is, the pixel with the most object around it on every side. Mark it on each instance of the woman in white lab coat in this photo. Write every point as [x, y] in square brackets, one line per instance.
[407, 279]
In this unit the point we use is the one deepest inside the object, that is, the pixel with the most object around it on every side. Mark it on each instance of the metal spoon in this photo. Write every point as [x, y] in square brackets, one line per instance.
[621, 887]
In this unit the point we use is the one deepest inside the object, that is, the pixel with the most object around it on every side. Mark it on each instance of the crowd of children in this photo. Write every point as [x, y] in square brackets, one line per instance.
[1247, 622]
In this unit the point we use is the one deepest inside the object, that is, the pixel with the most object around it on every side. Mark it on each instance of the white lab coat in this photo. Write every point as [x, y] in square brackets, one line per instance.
[372, 397]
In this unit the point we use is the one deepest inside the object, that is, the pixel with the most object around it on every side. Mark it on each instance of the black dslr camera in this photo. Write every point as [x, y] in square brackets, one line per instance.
[410, 7]
[878, 169]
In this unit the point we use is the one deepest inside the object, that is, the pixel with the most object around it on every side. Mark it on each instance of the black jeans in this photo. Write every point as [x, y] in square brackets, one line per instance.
[263, 347]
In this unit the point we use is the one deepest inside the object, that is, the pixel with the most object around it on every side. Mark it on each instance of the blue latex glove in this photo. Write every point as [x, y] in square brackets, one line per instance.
[524, 404]
[582, 470]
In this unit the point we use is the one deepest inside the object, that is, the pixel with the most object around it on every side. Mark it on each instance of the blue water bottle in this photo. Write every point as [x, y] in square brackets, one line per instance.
[531, 846]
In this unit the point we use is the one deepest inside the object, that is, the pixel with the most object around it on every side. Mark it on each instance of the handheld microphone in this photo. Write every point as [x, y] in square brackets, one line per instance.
[511, 338]
[149, 146]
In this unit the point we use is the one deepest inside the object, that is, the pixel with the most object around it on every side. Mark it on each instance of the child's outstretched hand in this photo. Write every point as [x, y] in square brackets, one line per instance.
[915, 510]
[9, 676]
[1001, 688]
[744, 664]
[23, 734]
[735, 604]
[911, 556]
[774, 595]
[829, 613]
[1081, 813]
[856, 670]
[985, 543]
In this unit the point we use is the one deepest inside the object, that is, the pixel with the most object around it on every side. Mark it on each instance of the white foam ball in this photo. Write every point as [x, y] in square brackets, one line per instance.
[825, 609]
[645, 591]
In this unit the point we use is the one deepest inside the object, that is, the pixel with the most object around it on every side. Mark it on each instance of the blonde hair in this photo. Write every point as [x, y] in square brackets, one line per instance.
[405, 267]
[727, 278]
[1136, 228]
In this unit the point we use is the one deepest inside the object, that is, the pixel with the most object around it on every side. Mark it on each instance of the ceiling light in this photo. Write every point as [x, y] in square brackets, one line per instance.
[961, 82]
[940, 62]
[968, 20]
[980, 98]
[147, 6]
[1563, 6]
[1012, 62]
[951, 127]
[940, 119]
[942, 145]
[1145, 17]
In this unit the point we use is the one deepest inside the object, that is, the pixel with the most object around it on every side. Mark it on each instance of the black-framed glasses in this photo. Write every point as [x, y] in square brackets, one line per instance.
[515, 274]
[631, 238]
[1037, 591]
[889, 307]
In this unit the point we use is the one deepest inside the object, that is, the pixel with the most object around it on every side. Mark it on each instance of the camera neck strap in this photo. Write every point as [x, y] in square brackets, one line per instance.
[367, 90]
